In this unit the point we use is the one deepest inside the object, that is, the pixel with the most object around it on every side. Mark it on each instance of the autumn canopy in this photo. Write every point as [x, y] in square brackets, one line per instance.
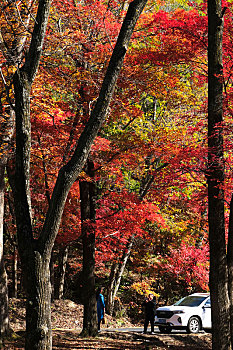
[106, 155]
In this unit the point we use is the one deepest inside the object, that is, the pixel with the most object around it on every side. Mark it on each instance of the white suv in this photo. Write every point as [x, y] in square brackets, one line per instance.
[192, 313]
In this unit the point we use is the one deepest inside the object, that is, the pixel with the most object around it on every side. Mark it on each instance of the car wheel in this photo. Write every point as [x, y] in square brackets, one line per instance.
[194, 325]
[165, 330]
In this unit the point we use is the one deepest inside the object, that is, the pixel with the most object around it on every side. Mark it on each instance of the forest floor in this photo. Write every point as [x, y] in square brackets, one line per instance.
[67, 324]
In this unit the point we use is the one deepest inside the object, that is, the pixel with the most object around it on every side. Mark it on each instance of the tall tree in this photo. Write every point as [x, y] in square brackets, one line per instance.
[88, 214]
[34, 253]
[218, 260]
[7, 129]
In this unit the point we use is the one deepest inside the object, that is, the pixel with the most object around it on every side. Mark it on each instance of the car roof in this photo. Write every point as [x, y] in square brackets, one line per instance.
[201, 294]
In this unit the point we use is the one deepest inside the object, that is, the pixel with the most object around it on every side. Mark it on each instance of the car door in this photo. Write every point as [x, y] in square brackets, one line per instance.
[206, 315]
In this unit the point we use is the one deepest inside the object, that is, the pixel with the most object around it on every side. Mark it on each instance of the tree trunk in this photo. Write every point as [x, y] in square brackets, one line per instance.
[87, 197]
[110, 288]
[4, 319]
[7, 130]
[35, 259]
[121, 266]
[51, 269]
[116, 273]
[14, 274]
[218, 264]
[230, 267]
[63, 257]
[38, 314]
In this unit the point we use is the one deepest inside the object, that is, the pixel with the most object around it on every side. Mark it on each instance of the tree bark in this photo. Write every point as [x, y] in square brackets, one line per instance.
[7, 130]
[88, 213]
[218, 264]
[38, 306]
[230, 267]
[51, 269]
[15, 274]
[4, 319]
[62, 261]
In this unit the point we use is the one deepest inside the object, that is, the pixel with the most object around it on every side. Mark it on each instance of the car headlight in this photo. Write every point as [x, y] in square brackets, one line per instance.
[178, 312]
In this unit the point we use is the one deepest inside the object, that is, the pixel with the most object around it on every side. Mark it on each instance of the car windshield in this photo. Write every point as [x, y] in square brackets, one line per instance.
[192, 300]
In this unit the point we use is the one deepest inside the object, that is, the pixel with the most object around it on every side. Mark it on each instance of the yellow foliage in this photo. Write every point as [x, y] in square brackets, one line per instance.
[144, 288]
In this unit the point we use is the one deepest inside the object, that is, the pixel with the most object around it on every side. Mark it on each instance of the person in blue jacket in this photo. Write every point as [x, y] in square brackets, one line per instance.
[100, 306]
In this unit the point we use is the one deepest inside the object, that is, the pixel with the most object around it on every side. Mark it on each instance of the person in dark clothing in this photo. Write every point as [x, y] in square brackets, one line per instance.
[100, 306]
[150, 307]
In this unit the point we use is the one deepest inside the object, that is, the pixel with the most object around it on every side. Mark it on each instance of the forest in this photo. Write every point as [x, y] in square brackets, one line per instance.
[115, 158]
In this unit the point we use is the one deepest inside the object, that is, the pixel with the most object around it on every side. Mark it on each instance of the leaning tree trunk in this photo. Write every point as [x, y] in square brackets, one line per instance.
[121, 266]
[87, 197]
[117, 268]
[110, 288]
[218, 265]
[116, 273]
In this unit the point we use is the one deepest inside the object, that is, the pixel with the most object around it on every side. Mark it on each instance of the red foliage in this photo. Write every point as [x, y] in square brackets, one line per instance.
[187, 268]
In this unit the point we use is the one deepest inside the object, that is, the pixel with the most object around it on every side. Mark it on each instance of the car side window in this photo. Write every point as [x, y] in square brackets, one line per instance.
[208, 303]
